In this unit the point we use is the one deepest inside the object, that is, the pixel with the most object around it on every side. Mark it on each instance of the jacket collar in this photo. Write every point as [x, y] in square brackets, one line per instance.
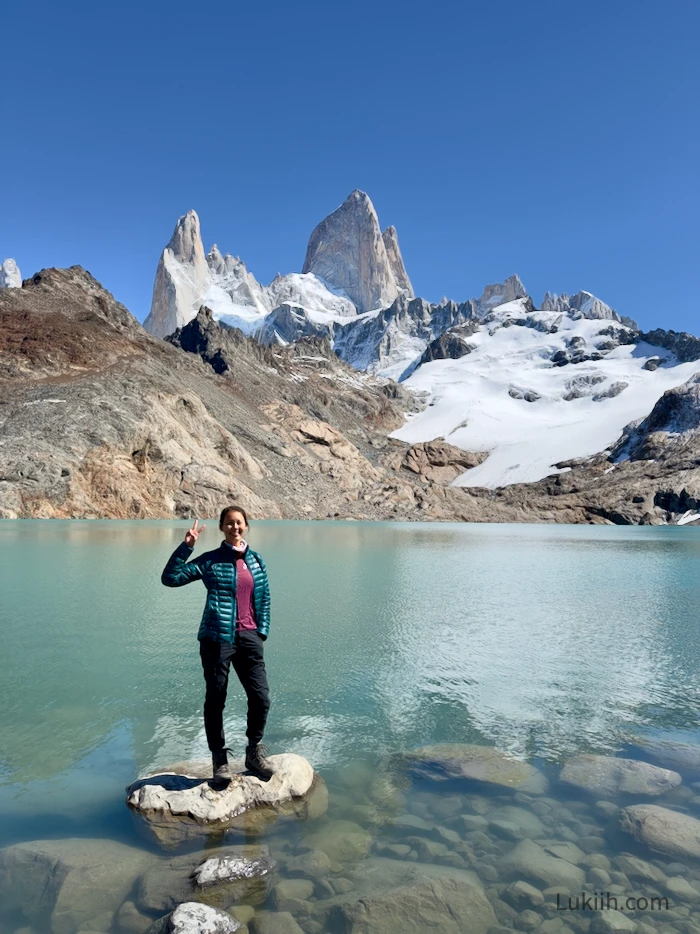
[236, 552]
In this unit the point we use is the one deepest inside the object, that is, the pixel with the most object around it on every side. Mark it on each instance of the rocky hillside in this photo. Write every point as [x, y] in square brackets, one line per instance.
[101, 419]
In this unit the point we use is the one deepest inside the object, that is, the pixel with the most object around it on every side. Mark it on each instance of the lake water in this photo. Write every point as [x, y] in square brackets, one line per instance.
[543, 641]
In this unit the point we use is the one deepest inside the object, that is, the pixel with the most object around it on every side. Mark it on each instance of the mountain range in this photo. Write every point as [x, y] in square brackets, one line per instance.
[337, 391]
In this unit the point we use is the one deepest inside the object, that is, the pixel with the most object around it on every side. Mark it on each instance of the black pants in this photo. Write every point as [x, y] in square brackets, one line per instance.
[246, 654]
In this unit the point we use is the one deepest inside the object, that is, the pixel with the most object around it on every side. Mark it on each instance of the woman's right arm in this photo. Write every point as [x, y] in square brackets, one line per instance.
[179, 571]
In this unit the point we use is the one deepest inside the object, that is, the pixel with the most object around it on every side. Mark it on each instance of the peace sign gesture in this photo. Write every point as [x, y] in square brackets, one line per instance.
[192, 534]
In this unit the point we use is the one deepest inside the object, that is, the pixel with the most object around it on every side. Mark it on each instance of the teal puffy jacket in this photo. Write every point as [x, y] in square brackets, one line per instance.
[217, 569]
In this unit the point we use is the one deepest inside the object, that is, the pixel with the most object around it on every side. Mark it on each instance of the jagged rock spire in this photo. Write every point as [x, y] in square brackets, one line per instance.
[391, 245]
[347, 250]
[182, 278]
[10, 277]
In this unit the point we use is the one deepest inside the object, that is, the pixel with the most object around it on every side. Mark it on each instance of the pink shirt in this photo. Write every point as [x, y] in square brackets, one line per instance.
[245, 616]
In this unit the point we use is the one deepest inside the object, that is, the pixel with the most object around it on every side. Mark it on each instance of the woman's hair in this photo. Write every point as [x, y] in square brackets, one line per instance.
[228, 509]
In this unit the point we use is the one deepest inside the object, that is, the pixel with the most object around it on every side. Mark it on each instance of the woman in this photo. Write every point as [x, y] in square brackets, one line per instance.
[234, 625]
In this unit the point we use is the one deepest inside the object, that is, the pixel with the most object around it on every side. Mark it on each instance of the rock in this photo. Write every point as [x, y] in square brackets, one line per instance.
[341, 840]
[522, 893]
[663, 830]
[429, 851]
[445, 835]
[449, 904]
[478, 763]
[347, 251]
[10, 277]
[679, 887]
[636, 868]
[342, 885]
[240, 873]
[613, 390]
[568, 851]
[193, 918]
[527, 860]
[599, 877]
[468, 823]
[129, 919]
[412, 824]
[242, 913]
[525, 820]
[685, 347]
[394, 850]
[606, 775]
[290, 891]
[681, 757]
[451, 344]
[500, 293]
[73, 882]
[527, 395]
[610, 921]
[314, 864]
[274, 922]
[653, 363]
[221, 880]
[581, 305]
[439, 461]
[505, 829]
[179, 804]
[528, 920]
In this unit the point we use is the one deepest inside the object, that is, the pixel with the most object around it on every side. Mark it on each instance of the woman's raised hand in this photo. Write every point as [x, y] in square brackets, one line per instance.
[192, 534]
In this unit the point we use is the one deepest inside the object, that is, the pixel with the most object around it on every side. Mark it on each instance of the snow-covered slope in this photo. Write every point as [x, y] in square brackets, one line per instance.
[547, 389]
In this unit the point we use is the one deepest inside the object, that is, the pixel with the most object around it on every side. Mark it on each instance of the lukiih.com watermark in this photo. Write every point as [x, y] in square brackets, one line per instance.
[606, 901]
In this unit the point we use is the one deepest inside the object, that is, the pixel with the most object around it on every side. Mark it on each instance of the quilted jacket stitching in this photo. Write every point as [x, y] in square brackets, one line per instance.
[219, 617]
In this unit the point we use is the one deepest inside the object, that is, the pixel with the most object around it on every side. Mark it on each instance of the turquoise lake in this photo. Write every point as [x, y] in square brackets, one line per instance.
[543, 641]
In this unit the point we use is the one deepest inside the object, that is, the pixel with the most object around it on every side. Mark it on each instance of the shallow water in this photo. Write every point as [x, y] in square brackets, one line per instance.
[544, 641]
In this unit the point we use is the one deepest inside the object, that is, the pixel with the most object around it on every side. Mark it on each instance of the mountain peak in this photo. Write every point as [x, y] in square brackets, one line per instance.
[501, 292]
[347, 250]
[186, 241]
[182, 278]
[10, 277]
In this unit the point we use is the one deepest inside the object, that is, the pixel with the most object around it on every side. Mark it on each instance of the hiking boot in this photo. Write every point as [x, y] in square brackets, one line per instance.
[255, 762]
[222, 772]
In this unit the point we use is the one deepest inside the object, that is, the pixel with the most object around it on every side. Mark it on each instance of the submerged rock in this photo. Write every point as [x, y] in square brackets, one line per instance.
[341, 840]
[478, 763]
[275, 922]
[73, 882]
[182, 802]
[527, 860]
[609, 776]
[663, 830]
[682, 757]
[391, 896]
[234, 874]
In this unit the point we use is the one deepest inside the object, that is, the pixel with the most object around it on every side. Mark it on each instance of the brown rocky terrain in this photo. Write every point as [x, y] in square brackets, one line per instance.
[100, 419]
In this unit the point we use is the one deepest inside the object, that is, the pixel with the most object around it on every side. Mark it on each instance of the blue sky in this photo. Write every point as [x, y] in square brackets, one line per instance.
[558, 140]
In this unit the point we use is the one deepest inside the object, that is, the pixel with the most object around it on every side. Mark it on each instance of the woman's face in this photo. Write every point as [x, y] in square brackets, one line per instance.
[234, 527]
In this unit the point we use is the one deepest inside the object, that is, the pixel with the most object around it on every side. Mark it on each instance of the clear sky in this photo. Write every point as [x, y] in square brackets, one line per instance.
[552, 138]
